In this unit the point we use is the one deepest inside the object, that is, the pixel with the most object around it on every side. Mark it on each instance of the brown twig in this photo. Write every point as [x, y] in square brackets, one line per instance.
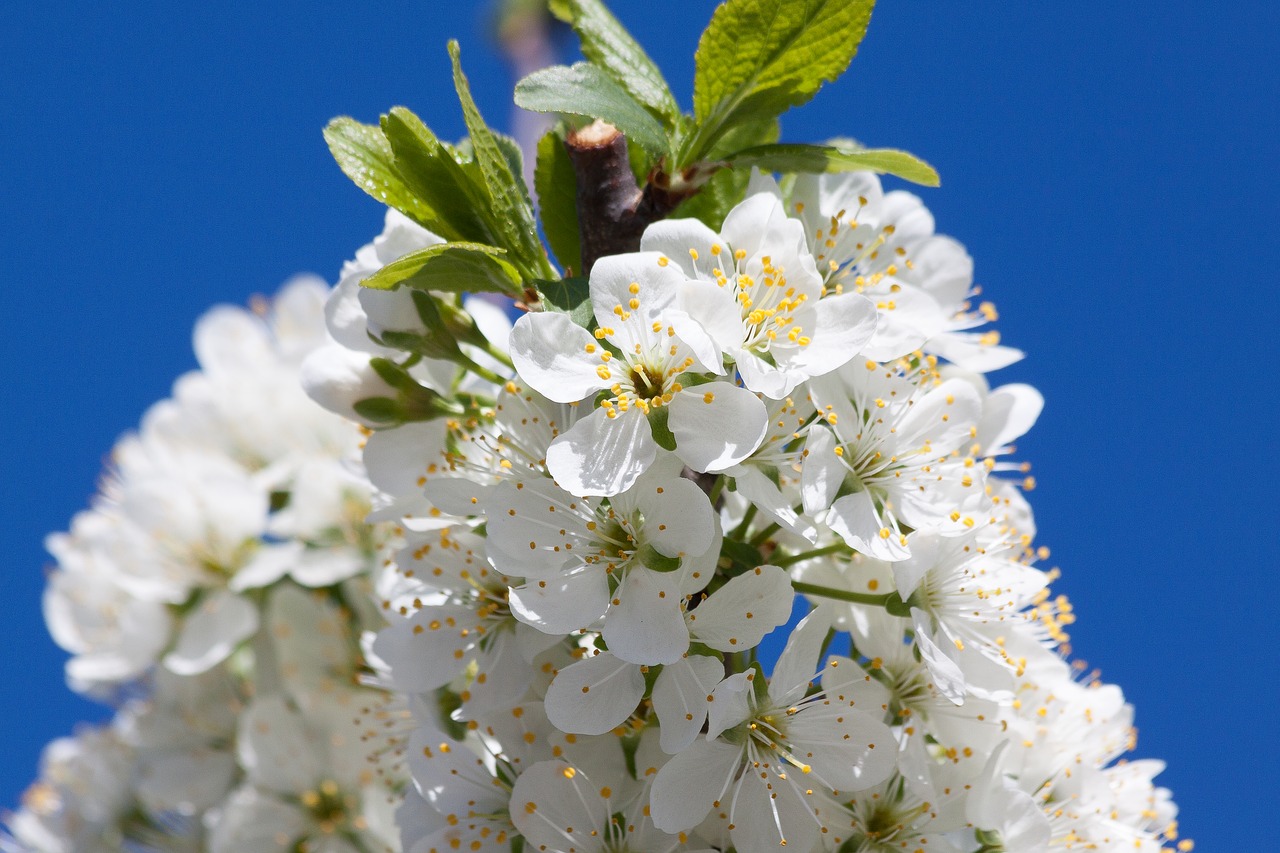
[613, 210]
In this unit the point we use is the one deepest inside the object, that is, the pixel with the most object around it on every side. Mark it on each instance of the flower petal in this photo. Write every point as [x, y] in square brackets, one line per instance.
[645, 625]
[595, 695]
[690, 783]
[600, 455]
[680, 699]
[557, 357]
[717, 425]
[738, 615]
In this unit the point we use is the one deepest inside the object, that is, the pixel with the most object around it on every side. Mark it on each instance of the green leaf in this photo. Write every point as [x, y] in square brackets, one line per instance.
[557, 188]
[510, 212]
[759, 58]
[453, 192]
[570, 296]
[363, 153]
[826, 158]
[377, 409]
[584, 90]
[608, 44]
[450, 268]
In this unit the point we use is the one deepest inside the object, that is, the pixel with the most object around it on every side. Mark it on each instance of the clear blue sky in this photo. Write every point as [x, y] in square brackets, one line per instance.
[1112, 170]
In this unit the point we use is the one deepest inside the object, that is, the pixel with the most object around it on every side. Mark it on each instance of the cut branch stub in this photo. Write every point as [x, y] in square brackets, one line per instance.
[613, 210]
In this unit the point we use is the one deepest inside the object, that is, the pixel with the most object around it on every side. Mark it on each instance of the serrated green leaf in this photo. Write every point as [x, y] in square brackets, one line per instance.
[557, 186]
[608, 44]
[826, 158]
[759, 58]
[584, 90]
[570, 296]
[365, 156]
[450, 268]
[454, 193]
[510, 213]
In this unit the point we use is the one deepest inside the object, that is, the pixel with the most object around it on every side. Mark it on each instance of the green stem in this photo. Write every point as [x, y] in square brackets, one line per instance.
[498, 354]
[716, 490]
[482, 372]
[763, 536]
[837, 548]
[840, 594]
[749, 516]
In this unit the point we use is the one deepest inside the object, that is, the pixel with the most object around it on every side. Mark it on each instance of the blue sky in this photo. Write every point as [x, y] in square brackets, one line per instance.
[1110, 167]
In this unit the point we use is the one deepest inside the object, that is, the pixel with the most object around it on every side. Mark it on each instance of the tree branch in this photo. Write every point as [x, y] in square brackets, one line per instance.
[613, 210]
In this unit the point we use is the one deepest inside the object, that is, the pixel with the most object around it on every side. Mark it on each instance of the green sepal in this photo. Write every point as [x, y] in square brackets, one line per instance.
[585, 90]
[696, 648]
[570, 296]
[557, 187]
[654, 559]
[509, 212]
[446, 703]
[450, 268]
[659, 423]
[378, 410]
[365, 156]
[759, 58]
[895, 606]
[517, 844]
[608, 44]
[830, 158]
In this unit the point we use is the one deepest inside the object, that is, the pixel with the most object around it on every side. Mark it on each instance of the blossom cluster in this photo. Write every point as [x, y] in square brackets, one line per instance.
[599, 516]
[215, 594]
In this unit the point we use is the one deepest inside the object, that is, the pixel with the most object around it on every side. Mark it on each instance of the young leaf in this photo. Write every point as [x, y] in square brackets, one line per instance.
[608, 44]
[453, 193]
[510, 212]
[584, 90]
[364, 154]
[450, 268]
[570, 296]
[826, 158]
[557, 188]
[759, 58]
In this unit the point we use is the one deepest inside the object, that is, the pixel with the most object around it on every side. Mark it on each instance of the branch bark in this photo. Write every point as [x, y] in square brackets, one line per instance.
[613, 210]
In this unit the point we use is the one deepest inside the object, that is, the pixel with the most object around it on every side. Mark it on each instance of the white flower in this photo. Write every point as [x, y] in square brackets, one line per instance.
[756, 291]
[636, 357]
[770, 763]
[882, 245]
[584, 557]
[457, 616]
[882, 455]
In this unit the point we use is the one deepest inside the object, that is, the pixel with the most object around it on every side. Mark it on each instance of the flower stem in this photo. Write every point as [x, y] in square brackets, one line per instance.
[763, 536]
[809, 555]
[840, 594]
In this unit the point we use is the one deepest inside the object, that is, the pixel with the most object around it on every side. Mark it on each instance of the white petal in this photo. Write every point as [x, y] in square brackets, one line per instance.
[738, 615]
[595, 695]
[687, 785]
[675, 237]
[822, 473]
[842, 327]
[556, 807]
[212, 631]
[569, 602]
[656, 284]
[947, 675]
[268, 565]
[645, 625]
[600, 455]
[715, 310]
[851, 749]
[680, 699]
[717, 425]
[502, 675]
[730, 703]
[557, 357]
[278, 750]
[253, 822]
[428, 649]
[525, 523]
[1007, 413]
[798, 664]
[750, 482]
[858, 522]
[770, 813]
[678, 518]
